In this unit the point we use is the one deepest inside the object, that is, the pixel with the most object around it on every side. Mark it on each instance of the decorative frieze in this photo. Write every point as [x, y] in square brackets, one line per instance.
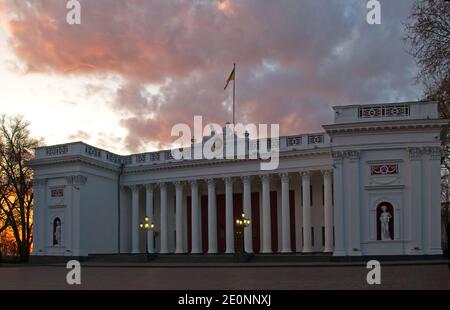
[415, 153]
[350, 154]
[57, 150]
[76, 179]
[434, 152]
[384, 169]
[380, 111]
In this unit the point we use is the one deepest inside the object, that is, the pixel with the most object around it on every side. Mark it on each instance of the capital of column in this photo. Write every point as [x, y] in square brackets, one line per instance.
[150, 187]
[135, 187]
[284, 176]
[193, 182]
[178, 184]
[305, 174]
[265, 177]
[327, 172]
[228, 180]
[245, 178]
[39, 182]
[162, 185]
[339, 156]
[76, 179]
[210, 181]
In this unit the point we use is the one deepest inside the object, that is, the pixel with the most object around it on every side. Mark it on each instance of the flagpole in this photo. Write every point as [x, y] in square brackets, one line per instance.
[234, 94]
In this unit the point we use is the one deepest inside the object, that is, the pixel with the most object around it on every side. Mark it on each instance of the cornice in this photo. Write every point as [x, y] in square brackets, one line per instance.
[204, 162]
[378, 126]
[73, 159]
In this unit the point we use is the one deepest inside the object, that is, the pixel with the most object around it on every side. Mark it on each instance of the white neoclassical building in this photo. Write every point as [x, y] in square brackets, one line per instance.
[368, 185]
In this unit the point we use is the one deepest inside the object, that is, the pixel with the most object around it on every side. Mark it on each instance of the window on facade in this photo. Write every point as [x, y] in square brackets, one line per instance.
[301, 196]
[332, 192]
[323, 195]
[333, 235]
[323, 236]
[303, 238]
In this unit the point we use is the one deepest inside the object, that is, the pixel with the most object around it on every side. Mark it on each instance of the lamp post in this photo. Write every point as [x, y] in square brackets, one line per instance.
[146, 226]
[241, 223]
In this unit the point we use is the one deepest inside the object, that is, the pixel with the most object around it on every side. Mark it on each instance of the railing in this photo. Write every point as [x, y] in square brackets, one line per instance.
[250, 149]
[381, 111]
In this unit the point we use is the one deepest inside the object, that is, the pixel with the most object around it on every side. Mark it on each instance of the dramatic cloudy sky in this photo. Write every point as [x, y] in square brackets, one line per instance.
[134, 68]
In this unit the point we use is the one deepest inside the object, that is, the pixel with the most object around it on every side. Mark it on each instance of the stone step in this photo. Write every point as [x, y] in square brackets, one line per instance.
[208, 258]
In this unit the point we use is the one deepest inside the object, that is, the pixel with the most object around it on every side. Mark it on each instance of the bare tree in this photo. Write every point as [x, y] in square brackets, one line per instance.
[428, 36]
[16, 197]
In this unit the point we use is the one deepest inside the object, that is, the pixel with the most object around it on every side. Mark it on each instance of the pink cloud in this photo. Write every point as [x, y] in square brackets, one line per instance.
[287, 72]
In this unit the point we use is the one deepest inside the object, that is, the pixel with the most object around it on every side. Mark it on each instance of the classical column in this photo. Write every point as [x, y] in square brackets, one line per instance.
[229, 215]
[135, 219]
[195, 221]
[179, 248]
[285, 219]
[212, 217]
[149, 212]
[338, 207]
[328, 211]
[307, 247]
[434, 178]
[352, 190]
[248, 242]
[39, 190]
[267, 241]
[163, 209]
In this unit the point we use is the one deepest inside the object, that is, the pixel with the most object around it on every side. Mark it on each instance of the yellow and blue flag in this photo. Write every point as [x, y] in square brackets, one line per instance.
[230, 78]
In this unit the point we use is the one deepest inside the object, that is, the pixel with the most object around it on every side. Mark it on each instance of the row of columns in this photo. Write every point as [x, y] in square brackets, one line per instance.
[212, 215]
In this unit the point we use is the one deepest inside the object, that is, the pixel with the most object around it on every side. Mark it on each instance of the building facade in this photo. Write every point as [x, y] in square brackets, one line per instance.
[368, 185]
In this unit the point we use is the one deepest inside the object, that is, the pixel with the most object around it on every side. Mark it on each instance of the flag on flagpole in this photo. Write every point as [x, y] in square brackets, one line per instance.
[230, 78]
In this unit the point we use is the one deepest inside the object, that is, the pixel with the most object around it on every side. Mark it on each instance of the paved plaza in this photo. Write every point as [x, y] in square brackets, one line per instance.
[408, 276]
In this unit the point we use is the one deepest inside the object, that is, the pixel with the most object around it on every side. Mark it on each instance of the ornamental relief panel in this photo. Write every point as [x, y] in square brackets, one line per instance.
[384, 169]
[56, 196]
[384, 173]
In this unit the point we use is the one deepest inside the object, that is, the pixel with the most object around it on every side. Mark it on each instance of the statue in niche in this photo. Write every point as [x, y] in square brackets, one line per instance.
[385, 218]
[57, 231]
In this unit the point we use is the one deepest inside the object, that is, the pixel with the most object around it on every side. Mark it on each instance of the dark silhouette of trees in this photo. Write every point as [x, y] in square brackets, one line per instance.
[16, 196]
